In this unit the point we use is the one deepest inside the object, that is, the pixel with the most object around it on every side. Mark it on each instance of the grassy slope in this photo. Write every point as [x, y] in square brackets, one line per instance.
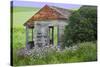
[22, 14]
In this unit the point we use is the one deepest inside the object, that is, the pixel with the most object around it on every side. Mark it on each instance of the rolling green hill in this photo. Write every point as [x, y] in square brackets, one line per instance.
[21, 9]
[22, 14]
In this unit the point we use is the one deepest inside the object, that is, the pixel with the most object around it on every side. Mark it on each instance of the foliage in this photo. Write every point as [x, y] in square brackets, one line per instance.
[84, 52]
[82, 26]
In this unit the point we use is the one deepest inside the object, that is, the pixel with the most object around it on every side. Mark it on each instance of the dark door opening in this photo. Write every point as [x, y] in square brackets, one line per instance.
[51, 34]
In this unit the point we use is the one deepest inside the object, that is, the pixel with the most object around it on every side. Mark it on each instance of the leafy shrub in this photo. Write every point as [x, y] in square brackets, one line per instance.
[82, 26]
[87, 51]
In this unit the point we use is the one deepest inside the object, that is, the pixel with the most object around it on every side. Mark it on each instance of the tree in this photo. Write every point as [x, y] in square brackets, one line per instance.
[82, 26]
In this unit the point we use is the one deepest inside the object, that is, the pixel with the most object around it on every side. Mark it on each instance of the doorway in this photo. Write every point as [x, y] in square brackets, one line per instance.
[53, 35]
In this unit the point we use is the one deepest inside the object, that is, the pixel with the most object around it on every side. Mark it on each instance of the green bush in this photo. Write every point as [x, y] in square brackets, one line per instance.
[82, 26]
[87, 51]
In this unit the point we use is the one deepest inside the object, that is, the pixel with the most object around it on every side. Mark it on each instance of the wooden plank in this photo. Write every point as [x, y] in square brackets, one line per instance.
[58, 36]
[27, 37]
[32, 34]
[52, 35]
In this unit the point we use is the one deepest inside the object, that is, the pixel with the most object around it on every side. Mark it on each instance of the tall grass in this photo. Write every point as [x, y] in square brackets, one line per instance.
[86, 51]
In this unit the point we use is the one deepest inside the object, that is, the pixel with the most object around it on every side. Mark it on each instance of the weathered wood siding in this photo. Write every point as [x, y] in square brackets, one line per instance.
[42, 29]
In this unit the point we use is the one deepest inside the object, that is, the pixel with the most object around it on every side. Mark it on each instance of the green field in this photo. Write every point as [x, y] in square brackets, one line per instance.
[20, 16]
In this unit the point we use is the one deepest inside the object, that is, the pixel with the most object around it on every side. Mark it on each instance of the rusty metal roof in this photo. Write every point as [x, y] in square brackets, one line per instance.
[49, 13]
[65, 12]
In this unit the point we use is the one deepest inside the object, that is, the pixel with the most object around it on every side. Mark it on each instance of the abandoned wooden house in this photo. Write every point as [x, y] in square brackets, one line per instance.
[42, 25]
